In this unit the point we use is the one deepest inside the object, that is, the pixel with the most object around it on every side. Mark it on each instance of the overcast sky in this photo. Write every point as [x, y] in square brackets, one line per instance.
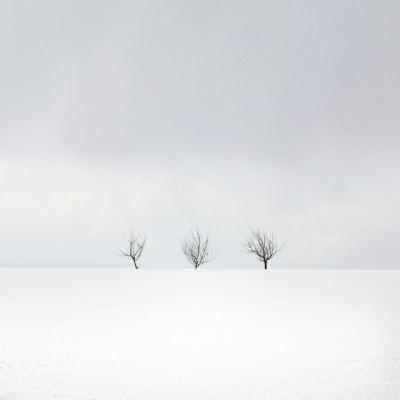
[161, 116]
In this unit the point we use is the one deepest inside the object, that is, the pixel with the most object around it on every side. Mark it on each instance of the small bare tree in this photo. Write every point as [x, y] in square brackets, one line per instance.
[197, 249]
[262, 245]
[135, 248]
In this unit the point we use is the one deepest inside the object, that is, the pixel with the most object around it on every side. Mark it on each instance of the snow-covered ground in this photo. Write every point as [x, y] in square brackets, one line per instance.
[101, 334]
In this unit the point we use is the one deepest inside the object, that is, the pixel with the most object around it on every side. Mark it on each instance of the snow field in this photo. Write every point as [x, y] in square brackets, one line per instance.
[98, 334]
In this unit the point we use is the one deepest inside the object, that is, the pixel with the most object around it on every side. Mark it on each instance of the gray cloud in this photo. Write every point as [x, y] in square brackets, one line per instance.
[280, 114]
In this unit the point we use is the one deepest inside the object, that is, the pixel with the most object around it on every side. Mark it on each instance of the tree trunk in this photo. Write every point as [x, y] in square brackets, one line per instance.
[134, 261]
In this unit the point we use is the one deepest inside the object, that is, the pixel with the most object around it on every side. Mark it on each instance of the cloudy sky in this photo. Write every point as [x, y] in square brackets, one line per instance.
[161, 116]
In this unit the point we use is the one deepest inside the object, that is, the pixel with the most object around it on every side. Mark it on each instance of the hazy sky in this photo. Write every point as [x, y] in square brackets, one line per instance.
[165, 115]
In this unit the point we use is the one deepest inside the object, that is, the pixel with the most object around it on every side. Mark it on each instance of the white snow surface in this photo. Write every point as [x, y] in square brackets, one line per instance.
[101, 334]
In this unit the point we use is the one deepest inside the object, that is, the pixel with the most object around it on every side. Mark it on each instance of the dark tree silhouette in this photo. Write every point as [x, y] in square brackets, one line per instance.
[197, 249]
[262, 245]
[135, 248]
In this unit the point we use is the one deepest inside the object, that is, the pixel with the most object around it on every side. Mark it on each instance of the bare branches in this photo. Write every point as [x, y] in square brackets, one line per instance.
[135, 248]
[264, 247]
[197, 249]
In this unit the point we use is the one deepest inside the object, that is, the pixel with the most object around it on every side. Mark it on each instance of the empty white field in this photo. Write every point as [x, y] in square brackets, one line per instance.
[97, 334]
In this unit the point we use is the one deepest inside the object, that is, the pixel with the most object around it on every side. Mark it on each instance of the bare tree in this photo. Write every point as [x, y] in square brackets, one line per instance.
[261, 244]
[197, 249]
[135, 248]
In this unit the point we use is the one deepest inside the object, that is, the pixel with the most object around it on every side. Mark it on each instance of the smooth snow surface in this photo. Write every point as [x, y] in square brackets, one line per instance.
[207, 334]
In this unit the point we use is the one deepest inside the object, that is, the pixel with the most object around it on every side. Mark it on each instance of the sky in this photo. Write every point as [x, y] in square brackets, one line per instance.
[160, 117]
